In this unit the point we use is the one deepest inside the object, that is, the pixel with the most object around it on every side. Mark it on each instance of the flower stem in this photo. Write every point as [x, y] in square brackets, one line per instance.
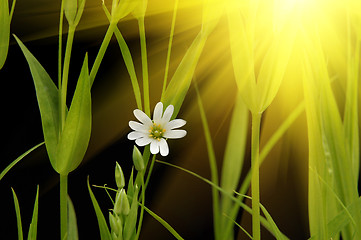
[169, 47]
[142, 207]
[150, 171]
[63, 206]
[101, 52]
[143, 50]
[256, 227]
[65, 76]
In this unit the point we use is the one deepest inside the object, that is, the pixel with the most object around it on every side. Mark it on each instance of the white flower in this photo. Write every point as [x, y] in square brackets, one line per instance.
[157, 131]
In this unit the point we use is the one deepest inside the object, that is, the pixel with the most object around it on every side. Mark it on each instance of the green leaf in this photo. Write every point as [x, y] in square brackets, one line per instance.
[33, 229]
[4, 31]
[48, 101]
[11, 165]
[181, 80]
[18, 215]
[103, 227]
[233, 159]
[72, 223]
[75, 136]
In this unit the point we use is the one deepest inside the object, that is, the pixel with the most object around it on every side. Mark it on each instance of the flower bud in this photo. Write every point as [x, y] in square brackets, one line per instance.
[121, 205]
[115, 224]
[119, 176]
[138, 159]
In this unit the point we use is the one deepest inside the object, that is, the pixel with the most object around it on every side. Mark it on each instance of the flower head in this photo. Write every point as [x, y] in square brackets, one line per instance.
[156, 131]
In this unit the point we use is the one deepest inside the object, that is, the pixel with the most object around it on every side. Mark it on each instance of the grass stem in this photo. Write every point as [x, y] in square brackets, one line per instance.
[63, 206]
[256, 227]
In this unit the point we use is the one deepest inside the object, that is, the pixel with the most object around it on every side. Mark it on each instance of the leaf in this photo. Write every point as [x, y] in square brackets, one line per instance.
[48, 101]
[75, 136]
[181, 80]
[18, 215]
[11, 165]
[103, 227]
[233, 159]
[33, 229]
[72, 223]
[4, 31]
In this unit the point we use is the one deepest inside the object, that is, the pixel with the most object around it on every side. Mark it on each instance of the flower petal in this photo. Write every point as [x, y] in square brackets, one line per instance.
[167, 114]
[138, 127]
[176, 123]
[143, 141]
[142, 117]
[154, 146]
[175, 134]
[163, 146]
[135, 135]
[158, 110]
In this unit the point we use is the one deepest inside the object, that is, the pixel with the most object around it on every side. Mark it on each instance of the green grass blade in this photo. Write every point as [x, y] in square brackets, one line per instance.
[212, 164]
[33, 229]
[75, 136]
[164, 223]
[103, 227]
[181, 80]
[18, 215]
[129, 230]
[170, 46]
[233, 160]
[13, 163]
[72, 223]
[48, 101]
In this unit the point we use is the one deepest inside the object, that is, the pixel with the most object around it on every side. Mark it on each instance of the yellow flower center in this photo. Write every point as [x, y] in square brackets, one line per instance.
[156, 131]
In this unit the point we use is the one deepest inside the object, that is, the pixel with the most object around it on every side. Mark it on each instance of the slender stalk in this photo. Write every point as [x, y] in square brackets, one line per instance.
[142, 206]
[169, 47]
[150, 171]
[213, 166]
[60, 42]
[63, 206]
[101, 52]
[64, 83]
[256, 227]
[143, 49]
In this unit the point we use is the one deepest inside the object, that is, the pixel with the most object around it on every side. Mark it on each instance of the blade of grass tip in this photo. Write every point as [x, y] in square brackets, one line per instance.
[13, 163]
[212, 164]
[128, 60]
[264, 221]
[103, 227]
[164, 223]
[169, 46]
[33, 229]
[72, 226]
[18, 215]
